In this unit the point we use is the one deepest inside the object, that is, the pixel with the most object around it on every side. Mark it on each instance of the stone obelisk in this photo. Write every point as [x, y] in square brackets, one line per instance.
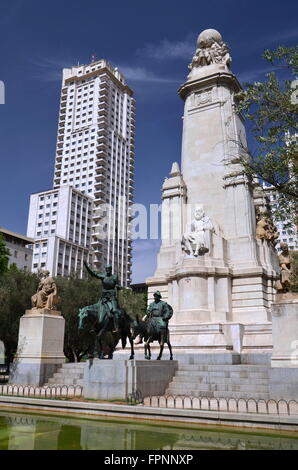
[211, 268]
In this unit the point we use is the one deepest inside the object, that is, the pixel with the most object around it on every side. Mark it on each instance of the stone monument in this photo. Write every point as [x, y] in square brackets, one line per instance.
[41, 337]
[214, 270]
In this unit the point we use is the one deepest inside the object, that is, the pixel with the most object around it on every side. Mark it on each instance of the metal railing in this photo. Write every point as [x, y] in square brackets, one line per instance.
[135, 398]
[55, 391]
[233, 405]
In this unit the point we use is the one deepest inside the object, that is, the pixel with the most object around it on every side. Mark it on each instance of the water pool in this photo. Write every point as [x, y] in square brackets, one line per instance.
[24, 431]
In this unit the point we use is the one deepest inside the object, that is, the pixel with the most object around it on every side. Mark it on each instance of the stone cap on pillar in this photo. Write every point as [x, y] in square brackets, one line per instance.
[210, 63]
[42, 311]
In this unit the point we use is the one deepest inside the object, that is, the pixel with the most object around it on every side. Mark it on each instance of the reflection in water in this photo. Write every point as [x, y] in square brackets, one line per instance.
[23, 431]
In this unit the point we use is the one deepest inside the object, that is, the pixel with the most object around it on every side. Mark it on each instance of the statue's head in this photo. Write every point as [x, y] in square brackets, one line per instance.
[157, 295]
[45, 273]
[109, 269]
[199, 213]
[284, 247]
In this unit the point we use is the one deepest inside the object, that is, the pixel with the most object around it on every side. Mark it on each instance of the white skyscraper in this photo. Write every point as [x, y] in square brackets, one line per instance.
[95, 155]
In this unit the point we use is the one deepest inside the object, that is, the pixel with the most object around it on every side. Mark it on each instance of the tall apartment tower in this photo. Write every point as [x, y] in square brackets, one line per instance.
[95, 155]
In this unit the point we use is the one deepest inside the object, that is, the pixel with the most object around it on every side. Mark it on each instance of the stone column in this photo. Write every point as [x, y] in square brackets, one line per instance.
[40, 347]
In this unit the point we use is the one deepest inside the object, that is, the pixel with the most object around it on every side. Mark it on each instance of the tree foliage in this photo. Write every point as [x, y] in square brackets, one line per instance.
[16, 289]
[271, 107]
[4, 255]
[294, 269]
[76, 293]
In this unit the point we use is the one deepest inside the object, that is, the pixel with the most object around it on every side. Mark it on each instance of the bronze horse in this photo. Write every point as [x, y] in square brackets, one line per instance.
[151, 331]
[106, 339]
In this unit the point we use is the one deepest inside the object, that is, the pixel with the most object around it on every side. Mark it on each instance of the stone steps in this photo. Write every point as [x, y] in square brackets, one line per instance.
[224, 367]
[220, 381]
[217, 387]
[68, 374]
[241, 374]
[222, 394]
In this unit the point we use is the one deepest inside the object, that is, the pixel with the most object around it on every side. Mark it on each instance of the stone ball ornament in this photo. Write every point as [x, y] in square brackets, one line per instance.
[208, 36]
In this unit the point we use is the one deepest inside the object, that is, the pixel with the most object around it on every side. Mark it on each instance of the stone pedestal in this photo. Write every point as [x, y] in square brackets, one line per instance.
[285, 331]
[109, 380]
[40, 347]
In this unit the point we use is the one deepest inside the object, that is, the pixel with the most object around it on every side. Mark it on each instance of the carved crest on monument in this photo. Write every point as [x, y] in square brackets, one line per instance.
[210, 50]
[204, 97]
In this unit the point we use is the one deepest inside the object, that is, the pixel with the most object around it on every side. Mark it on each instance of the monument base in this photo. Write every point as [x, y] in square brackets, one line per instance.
[110, 380]
[40, 347]
[285, 331]
[227, 336]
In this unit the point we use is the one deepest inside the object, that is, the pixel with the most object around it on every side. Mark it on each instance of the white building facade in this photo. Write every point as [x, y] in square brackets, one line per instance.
[60, 223]
[19, 249]
[95, 156]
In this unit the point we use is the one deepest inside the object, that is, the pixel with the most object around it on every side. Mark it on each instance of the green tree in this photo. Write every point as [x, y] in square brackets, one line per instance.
[4, 255]
[134, 303]
[294, 269]
[16, 289]
[76, 293]
[271, 107]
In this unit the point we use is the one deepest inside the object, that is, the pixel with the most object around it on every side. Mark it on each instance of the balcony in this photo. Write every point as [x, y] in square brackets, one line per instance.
[99, 185]
[99, 193]
[102, 139]
[101, 146]
[103, 98]
[102, 112]
[59, 152]
[100, 161]
[103, 122]
[104, 86]
[100, 168]
[99, 197]
[100, 177]
[102, 132]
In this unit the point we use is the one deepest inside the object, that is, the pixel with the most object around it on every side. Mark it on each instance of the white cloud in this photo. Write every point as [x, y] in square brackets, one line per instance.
[253, 74]
[140, 74]
[282, 36]
[49, 69]
[166, 49]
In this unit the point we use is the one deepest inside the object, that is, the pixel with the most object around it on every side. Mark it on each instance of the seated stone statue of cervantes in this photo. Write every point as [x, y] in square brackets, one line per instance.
[196, 241]
[46, 295]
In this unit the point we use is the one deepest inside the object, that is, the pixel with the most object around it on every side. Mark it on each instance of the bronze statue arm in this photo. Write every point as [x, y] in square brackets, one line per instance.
[92, 273]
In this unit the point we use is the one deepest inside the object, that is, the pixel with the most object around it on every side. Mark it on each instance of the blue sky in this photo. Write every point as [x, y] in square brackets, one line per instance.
[151, 43]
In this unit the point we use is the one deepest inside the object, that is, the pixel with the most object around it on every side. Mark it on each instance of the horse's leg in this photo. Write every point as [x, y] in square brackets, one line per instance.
[147, 349]
[167, 340]
[170, 349]
[132, 353]
[161, 344]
